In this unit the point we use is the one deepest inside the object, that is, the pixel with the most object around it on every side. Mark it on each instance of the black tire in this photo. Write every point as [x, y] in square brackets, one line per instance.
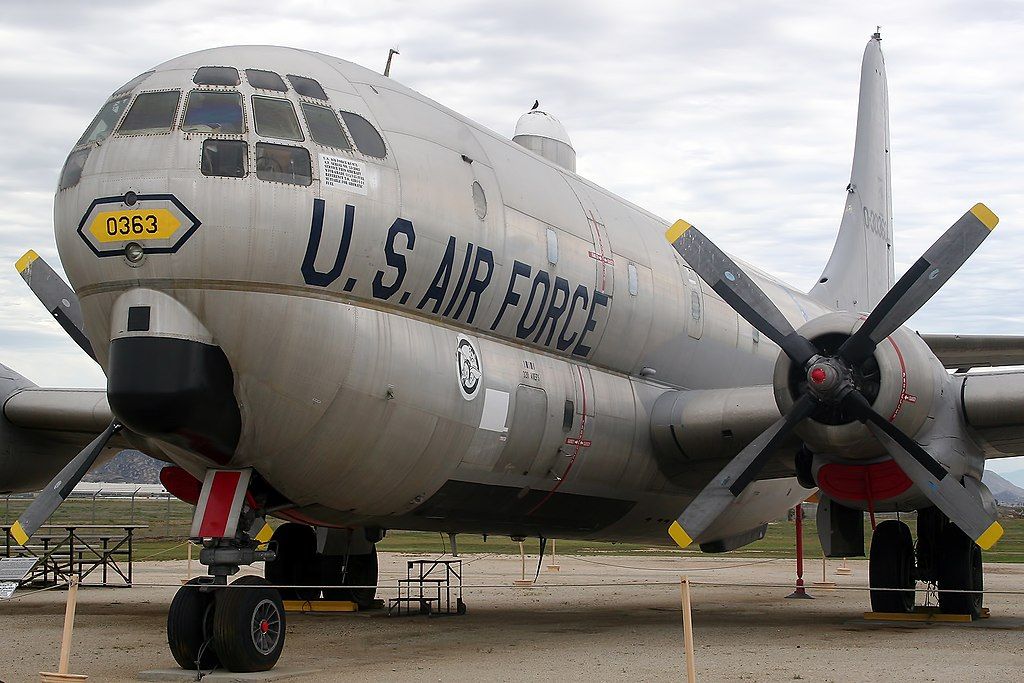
[296, 562]
[362, 571]
[891, 565]
[190, 628]
[249, 625]
[960, 568]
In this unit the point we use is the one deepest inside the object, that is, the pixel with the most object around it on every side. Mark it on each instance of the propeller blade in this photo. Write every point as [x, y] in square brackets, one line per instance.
[58, 297]
[944, 491]
[728, 484]
[921, 281]
[50, 498]
[739, 291]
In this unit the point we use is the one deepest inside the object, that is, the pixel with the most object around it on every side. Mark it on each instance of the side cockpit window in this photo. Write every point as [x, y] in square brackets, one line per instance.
[213, 111]
[265, 80]
[307, 87]
[367, 139]
[324, 127]
[275, 118]
[72, 171]
[226, 158]
[101, 126]
[216, 75]
[151, 112]
[283, 164]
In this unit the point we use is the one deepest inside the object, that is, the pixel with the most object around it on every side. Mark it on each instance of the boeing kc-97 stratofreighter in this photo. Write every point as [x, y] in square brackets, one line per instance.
[320, 296]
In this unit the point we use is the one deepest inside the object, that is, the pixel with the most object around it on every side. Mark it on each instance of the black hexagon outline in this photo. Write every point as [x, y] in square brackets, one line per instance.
[146, 250]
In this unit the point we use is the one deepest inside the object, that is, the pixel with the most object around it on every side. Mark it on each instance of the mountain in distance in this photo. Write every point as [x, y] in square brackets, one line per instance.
[1015, 477]
[1005, 492]
[128, 467]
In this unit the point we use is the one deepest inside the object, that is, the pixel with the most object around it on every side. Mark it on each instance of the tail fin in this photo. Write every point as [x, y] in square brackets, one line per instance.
[860, 270]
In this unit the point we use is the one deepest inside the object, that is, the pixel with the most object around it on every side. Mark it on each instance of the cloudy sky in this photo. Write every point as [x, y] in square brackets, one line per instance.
[738, 116]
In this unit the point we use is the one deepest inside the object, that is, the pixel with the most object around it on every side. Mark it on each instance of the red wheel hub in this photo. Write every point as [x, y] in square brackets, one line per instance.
[264, 626]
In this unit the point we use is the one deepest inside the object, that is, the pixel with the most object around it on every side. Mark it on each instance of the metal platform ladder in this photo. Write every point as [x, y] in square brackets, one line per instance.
[430, 587]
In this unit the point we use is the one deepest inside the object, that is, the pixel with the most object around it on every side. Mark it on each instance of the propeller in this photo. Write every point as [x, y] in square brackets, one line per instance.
[59, 488]
[830, 377]
[58, 297]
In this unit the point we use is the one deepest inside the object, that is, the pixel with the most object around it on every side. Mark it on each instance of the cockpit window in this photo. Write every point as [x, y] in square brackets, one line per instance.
[216, 75]
[265, 80]
[213, 111]
[131, 85]
[367, 139]
[224, 158]
[101, 126]
[324, 127]
[307, 87]
[72, 171]
[283, 164]
[275, 118]
[151, 112]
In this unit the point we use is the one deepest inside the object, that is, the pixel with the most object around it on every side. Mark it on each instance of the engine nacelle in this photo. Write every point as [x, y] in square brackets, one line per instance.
[902, 380]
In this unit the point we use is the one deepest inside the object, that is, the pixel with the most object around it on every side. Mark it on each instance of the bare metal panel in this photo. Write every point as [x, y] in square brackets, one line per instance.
[976, 350]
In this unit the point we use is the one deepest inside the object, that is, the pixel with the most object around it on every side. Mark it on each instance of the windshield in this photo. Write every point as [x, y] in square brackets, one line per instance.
[213, 112]
[151, 112]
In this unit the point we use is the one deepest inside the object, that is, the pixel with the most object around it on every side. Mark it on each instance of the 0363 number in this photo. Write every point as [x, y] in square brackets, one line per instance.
[138, 224]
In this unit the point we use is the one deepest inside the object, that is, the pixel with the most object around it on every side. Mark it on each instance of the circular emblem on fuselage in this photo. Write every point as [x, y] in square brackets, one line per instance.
[468, 369]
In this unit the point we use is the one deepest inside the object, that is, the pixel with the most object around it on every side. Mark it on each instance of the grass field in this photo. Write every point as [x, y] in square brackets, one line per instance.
[169, 521]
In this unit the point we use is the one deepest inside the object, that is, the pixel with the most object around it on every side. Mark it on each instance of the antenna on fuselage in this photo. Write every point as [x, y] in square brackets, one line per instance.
[387, 67]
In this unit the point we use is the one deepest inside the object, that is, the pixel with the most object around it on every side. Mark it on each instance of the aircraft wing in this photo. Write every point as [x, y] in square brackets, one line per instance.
[41, 430]
[961, 351]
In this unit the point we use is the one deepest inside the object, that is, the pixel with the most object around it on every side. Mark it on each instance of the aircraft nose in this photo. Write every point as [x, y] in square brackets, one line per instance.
[167, 378]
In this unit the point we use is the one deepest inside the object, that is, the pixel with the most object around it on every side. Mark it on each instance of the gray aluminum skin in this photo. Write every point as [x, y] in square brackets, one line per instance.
[351, 399]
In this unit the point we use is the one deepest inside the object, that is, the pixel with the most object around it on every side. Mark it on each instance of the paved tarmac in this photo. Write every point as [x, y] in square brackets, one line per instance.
[560, 629]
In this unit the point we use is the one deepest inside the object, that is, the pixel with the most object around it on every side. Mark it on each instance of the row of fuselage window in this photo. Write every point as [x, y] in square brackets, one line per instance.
[220, 112]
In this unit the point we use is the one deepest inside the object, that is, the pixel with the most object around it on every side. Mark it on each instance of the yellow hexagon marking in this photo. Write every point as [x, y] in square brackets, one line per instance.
[134, 225]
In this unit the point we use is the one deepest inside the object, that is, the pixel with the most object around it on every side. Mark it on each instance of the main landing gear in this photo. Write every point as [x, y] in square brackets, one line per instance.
[346, 558]
[945, 556]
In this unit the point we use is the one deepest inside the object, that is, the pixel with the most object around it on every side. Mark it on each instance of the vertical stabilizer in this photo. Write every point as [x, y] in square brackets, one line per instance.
[860, 270]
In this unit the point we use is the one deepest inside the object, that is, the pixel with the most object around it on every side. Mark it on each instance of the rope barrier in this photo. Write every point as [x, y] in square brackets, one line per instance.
[553, 586]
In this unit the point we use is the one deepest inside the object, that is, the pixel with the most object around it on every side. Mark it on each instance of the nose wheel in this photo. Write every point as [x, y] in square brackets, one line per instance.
[240, 627]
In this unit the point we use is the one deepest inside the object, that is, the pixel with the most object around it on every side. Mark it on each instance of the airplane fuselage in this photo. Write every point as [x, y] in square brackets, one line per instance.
[456, 335]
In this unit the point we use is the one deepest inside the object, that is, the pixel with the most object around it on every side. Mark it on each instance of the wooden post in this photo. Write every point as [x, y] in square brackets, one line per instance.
[69, 624]
[691, 665]
[65, 642]
[553, 566]
[522, 582]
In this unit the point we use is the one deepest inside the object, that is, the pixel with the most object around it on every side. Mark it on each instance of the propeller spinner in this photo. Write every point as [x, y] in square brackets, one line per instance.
[832, 377]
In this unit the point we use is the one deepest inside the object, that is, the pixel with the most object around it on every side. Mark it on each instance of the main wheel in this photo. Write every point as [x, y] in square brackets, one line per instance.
[891, 565]
[190, 628]
[362, 571]
[248, 625]
[295, 564]
[960, 568]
